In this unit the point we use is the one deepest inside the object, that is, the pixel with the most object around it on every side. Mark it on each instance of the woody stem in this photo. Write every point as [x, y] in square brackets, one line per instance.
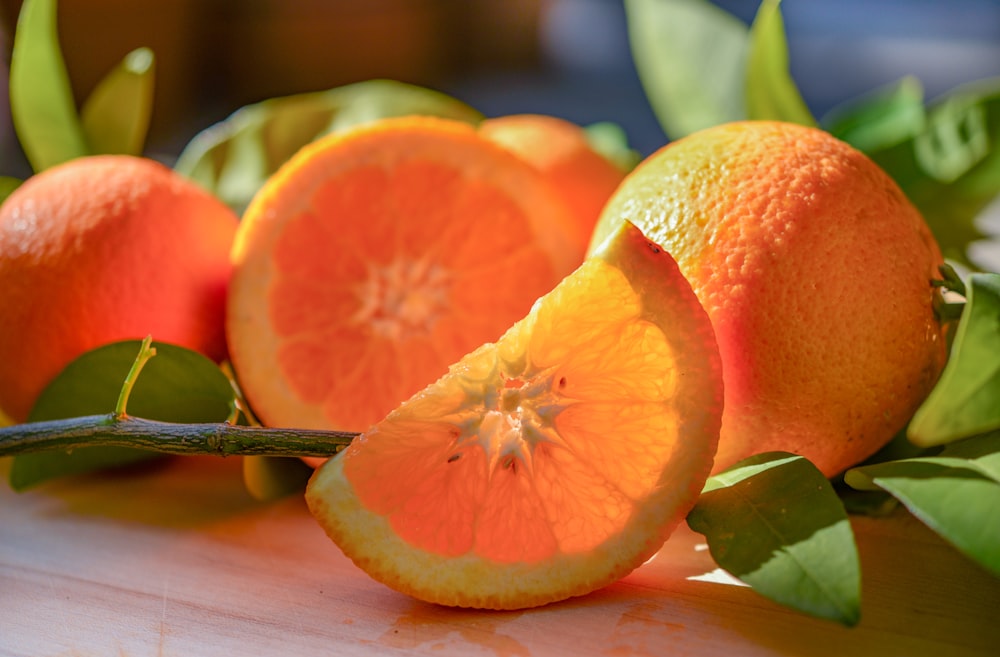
[220, 439]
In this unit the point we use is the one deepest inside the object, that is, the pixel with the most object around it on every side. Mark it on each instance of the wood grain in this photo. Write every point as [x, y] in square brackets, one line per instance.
[176, 559]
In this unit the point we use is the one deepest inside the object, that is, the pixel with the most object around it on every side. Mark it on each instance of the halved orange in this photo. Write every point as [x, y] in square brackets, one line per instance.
[375, 258]
[550, 463]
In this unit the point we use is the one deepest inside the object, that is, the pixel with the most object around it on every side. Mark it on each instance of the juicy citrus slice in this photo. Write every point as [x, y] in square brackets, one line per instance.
[547, 464]
[378, 256]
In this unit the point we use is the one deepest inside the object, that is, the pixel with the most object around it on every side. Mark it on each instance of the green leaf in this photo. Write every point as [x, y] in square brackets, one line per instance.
[878, 503]
[7, 186]
[270, 477]
[957, 497]
[176, 385]
[691, 59]
[41, 99]
[982, 452]
[771, 93]
[957, 140]
[233, 158]
[882, 118]
[116, 114]
[610, 140]
[966, 399]
[776, 523]
[951, 169]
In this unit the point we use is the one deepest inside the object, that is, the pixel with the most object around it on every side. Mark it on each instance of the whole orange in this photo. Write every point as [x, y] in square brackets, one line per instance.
[559, 149]
[106, 248]
[816, 273]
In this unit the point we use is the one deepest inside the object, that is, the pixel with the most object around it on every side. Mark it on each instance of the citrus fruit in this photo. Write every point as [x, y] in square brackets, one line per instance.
[106, 248]
[559, 149]
[377, 256]
[816, 272]
[549, 463]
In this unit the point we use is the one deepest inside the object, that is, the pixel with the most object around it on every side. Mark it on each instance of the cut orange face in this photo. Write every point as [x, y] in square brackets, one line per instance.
[377, 257]
[550, 463]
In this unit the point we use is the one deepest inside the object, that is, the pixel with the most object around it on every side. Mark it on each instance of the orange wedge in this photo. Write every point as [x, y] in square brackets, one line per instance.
[550, 463]
[375, 258]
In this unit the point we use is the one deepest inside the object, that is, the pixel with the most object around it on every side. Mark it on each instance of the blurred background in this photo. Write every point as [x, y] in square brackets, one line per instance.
[568, 58]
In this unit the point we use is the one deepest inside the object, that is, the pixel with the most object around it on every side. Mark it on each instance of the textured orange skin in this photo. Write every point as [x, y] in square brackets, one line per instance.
[106, 248]
[816, 272]
[559, 149]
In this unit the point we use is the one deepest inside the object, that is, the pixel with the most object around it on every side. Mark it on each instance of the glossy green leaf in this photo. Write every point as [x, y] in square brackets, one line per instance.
[176, 385]
[270, 477]
[966, 399]
[116, 114]
[957, 496]
[771, 94]
[982, 452]
[877, 503]
[41, 100]
[957, 141]
[951, 169]
[776, 523]
[691, 59]
[7, 186]
[882, 118]
[233, 158]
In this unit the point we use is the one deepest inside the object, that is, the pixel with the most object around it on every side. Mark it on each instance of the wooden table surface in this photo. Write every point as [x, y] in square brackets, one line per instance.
[177, 559]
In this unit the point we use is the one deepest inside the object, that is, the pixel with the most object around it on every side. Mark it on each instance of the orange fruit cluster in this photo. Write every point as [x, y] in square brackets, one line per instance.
[537, 414]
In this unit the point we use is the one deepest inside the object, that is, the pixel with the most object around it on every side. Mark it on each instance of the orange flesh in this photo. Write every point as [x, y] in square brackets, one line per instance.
[383, 257]
[359, 311]
[549, 463]
[535, 474]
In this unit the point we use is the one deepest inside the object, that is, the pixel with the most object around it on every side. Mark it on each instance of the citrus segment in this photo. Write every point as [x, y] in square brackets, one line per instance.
[378, 256]
[549, 463]
[816, 272]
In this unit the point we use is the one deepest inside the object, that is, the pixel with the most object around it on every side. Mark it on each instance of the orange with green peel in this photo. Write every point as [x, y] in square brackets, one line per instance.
[101, 249]
[378, 256]
[549, 463]
[817, 274]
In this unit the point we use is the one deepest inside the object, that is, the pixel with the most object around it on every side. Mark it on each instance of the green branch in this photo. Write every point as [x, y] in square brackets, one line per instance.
[219, 439]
